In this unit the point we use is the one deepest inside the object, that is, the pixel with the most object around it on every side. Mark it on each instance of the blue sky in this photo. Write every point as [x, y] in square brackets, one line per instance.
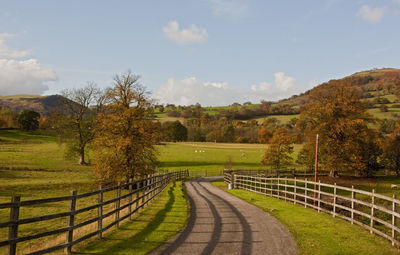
[210, 51]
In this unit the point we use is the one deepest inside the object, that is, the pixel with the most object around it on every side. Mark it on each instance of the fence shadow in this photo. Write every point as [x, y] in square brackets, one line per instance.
[139, 238]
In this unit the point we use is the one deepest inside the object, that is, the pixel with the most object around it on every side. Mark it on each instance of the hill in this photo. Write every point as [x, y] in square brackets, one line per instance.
[42, 104]
[373, 84]
[378, 88]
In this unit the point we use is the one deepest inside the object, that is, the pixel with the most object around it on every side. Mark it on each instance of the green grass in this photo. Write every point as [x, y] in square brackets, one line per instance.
[184, 156]
[33, 166]
[317, 233]
[284, 119]
[156, 224]
[376, 113]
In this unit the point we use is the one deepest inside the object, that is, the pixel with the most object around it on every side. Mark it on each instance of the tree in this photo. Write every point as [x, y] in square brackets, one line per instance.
[336, 113]
[125, 134]
[28, 120]
[263, 135]
[76, 117]
[174, 131]
[277, 156]
[391, 151]
[9, 117]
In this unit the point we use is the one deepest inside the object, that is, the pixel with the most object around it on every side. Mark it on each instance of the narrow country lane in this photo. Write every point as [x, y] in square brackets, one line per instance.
[220, 223]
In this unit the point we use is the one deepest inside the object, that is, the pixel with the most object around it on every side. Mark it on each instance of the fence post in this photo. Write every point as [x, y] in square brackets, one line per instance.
[137, 196]
[285, 188]
[305, 193]
[319, 196]
[394, 219]
[117, 204]
[271, 187]
[143, 192]
[295, 190]
[372, 224]
[353, 197]
[130, 199]
[100, 212]
[279, 195]
[13, 229]
[234, 182]
[70, 233]
[334, 201]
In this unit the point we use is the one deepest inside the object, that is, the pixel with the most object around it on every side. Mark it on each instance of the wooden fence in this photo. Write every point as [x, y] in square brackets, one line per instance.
[139, 193]
[228, 174]
[377, 213]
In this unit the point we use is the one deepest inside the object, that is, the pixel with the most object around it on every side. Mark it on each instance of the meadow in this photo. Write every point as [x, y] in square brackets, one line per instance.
[33, 166]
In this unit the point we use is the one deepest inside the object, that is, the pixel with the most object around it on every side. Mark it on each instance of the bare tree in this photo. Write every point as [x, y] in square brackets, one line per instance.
[77, 115]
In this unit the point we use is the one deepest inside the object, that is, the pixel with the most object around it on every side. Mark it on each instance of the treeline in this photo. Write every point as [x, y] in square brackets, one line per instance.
[349, 138]
[211, 129]
[26, 120]
[233, 112]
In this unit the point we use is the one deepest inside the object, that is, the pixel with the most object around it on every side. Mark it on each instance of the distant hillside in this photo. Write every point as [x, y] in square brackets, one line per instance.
[373, 83]
[42, 104]
[378, 88]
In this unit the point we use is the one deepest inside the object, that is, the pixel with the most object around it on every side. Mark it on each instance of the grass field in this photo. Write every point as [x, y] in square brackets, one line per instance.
[164, 218]
[33, 166]
[212, 157]
[317, 233]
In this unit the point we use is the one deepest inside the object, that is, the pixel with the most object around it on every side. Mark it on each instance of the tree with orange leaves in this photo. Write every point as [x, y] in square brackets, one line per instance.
[125, 134]
[336, 113]
[277, 156]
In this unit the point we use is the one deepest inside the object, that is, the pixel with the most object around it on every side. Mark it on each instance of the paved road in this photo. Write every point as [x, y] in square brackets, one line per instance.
[220, 223]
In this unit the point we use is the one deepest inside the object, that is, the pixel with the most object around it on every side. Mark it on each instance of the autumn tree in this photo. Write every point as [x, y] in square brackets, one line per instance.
[391, 151]
[74, 119]
[125, 134]
[263, 135]
[336, 113]
[28, 120]
[277, 156]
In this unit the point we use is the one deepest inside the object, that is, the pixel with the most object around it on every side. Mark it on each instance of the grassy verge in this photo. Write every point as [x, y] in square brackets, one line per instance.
[317, 233]
[164, 218]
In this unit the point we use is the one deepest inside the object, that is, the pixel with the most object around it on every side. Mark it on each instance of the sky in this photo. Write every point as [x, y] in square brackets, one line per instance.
[212, 52]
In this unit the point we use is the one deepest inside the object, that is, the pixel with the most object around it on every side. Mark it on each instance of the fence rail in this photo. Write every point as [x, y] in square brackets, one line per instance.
[144, 190]
[228, 174]
[377, 213]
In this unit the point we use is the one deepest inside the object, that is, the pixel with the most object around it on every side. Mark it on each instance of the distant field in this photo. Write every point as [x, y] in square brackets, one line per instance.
[376, 113]
[282, 118]
[212, 157]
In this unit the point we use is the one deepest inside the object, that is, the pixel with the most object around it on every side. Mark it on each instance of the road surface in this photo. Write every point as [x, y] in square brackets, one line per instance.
[220, 223]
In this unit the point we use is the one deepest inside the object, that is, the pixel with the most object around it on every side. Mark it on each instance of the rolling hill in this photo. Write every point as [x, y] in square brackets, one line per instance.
[42, 104]
[378, 89]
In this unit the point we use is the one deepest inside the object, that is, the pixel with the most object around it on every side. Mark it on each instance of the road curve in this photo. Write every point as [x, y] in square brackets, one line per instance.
[220, 223]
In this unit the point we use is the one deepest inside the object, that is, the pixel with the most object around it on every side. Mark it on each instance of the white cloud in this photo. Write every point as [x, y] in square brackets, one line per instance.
[370, 14]
[21, 76]
[233, 8]
[284, 86]
[191, 91]
[5, 52]
[192, 34]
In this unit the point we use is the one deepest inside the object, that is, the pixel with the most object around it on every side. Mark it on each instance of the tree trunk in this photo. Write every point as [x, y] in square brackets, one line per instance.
[82, 157]
[333, 173]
